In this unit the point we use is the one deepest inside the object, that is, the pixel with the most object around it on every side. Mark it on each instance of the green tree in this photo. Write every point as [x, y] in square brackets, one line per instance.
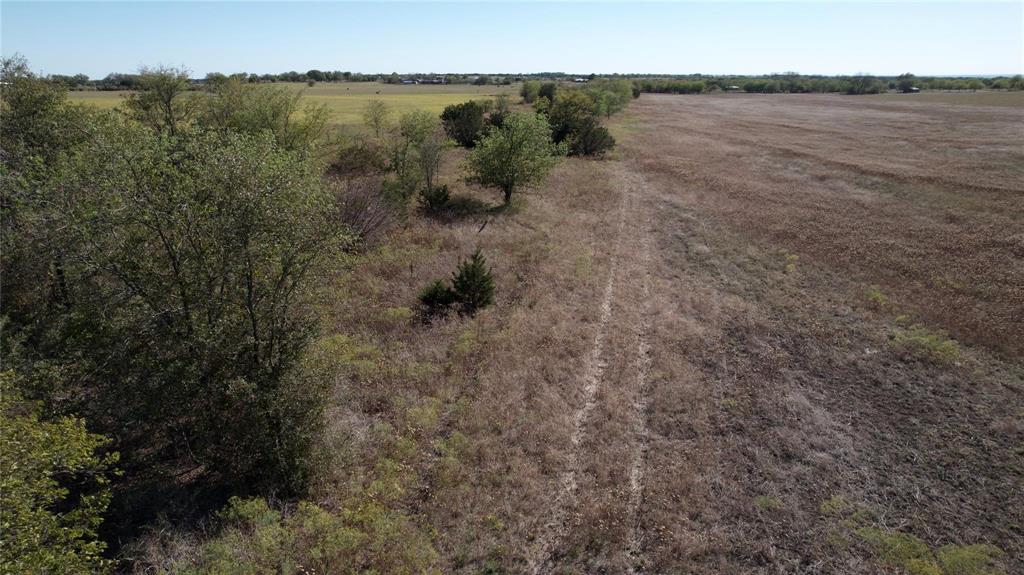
[592, 139]
[463, 122]
[529, 91]
[473, 285]
[161, 101]
[178, 321]
[519, 154]
[55, 481]
[547, 90]
[376, 115]
[416, 150]
[245, 108]
[610, 96]
[571, 115]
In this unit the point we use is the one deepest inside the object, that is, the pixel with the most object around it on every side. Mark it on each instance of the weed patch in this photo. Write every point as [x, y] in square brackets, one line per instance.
[768, 503]
[928, 344]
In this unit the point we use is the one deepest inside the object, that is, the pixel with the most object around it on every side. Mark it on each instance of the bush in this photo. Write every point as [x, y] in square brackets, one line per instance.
[433, 200]
[530, 91]
[591, 140]
[362, 208]
[472, 289]
[436, 299]
[363, 157]
[931, 345]
[547, 90]
[55, 486]
[245, 108]
[573, 120]
[463, 122]
[473, 285]
[366, 538]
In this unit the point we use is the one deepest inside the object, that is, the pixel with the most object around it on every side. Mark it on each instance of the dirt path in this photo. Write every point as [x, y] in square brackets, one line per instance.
[555, 529]
[616, 370]
[641, 398]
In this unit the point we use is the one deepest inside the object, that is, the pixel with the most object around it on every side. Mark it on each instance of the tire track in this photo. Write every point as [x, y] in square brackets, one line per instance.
[641, 400]
[554, 531]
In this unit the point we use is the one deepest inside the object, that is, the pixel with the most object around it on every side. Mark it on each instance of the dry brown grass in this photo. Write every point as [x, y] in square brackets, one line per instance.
[776, 383]
[773, 258]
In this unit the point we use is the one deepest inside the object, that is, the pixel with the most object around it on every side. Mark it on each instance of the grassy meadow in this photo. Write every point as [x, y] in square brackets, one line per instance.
[347, 100]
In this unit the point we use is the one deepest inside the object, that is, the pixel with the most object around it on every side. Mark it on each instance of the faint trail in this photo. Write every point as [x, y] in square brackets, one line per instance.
[640, 403]
[593, 373]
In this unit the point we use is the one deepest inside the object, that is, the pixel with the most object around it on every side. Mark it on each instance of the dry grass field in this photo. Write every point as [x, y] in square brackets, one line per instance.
[984, 98]
[836, 340]
[771, 334]
[768, 334]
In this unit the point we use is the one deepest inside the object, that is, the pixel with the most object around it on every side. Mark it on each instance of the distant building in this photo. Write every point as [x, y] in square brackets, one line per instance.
[580, 80]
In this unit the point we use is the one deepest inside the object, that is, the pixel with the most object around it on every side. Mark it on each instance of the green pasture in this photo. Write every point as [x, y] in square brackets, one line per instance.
[346, 101]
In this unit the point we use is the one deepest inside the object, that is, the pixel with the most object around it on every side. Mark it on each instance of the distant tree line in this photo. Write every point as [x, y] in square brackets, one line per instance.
[689, 84]
[796, 83]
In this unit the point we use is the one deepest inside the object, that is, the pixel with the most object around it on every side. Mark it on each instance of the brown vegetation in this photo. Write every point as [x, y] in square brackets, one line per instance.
[723, 349]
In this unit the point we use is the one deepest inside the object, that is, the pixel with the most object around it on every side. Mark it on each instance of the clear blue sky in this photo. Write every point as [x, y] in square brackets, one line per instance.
[579, 37]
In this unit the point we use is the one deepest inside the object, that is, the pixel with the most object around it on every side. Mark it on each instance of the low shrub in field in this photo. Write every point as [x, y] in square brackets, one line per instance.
[913, 555]
[473, 284]
[877, 299]
[436, 299]
[909, 553]
[768, 503]
[969, 559]
[928, 344]
[365, 537]
[434, 199]
[472, 289]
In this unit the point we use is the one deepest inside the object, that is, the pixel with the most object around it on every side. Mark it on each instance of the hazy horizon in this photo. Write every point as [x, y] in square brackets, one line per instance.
[713, 38]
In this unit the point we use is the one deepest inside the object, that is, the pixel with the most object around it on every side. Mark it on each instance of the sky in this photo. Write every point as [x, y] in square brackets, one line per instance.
[724, 37]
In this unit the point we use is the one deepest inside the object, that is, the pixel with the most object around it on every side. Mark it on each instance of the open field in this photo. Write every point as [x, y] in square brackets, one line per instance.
[723, 349]
[983, 98]
[767, 334]
[811, 254]
[346, 101]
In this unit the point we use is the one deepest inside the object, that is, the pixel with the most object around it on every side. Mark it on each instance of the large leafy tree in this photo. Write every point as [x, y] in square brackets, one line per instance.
[517, 155]
[159, 291]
